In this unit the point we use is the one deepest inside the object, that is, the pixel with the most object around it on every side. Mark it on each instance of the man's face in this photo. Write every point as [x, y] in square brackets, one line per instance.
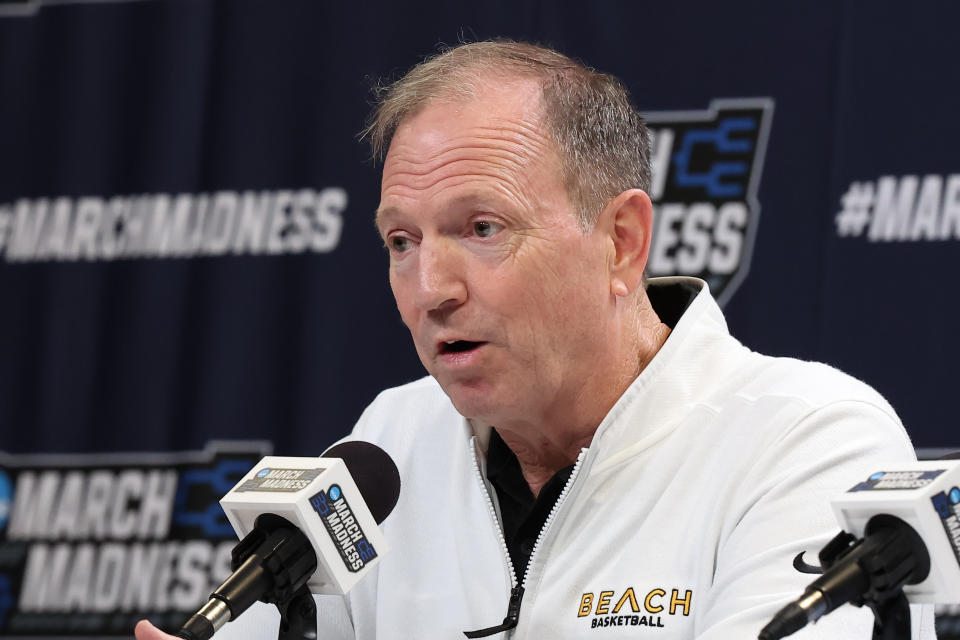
[504, 294]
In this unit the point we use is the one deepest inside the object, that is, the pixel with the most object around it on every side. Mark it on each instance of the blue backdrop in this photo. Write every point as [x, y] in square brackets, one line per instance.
[134, 104]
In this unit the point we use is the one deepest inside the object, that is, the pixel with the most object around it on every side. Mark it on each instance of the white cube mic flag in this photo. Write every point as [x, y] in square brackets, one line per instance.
[901, 542]
[307, 525]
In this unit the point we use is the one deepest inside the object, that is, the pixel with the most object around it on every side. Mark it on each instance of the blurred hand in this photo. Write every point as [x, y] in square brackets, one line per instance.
[146, 631]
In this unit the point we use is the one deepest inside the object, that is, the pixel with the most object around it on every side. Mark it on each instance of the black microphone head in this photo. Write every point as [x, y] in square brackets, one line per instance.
[374, 472]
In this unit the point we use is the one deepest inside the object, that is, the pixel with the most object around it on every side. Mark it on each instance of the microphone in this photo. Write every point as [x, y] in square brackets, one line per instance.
[904, 540]
[307, 525]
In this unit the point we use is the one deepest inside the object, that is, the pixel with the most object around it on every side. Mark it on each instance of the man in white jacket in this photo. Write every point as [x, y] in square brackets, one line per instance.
[593, 455]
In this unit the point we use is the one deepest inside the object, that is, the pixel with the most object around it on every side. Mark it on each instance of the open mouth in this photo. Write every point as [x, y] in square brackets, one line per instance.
[458, 346]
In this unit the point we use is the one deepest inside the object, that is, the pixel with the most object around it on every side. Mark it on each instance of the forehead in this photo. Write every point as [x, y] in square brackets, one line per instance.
[494, 138]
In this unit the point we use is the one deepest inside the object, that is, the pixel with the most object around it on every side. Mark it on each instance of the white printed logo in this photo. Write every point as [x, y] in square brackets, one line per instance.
[172, 226]
[901, 209]
[706, 172]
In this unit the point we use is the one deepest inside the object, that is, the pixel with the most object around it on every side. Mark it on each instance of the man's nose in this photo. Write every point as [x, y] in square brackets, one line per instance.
[440, 282]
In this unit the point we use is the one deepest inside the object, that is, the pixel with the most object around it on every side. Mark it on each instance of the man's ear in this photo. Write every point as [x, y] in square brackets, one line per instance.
[628, 219]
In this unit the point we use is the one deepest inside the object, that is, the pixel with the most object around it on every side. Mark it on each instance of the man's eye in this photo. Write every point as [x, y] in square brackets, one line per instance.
[398, 243]
[485, 228]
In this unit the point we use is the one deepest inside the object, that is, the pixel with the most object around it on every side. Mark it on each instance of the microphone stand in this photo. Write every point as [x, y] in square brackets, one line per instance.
[298, 616]
[891, 618]
[886, 571]
[287, 557]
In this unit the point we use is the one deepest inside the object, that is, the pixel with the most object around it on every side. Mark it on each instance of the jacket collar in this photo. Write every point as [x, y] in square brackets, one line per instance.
[696, 359]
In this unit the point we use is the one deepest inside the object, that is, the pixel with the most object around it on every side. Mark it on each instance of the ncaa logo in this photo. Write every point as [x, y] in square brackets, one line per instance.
[706, 173]
[263, 473]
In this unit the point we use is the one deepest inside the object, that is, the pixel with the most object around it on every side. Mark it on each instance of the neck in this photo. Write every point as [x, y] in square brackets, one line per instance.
[553, 440]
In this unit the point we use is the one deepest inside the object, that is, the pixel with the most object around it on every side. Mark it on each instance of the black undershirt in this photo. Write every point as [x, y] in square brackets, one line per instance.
[523, 515]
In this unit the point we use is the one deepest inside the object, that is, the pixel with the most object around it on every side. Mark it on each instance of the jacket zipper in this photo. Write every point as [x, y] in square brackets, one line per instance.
[516, 593]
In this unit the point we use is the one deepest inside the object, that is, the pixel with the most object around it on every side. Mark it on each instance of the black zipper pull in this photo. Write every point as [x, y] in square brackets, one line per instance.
[513, 616]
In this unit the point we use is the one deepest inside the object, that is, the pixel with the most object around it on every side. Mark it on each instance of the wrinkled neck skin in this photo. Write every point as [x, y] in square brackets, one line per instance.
[554, 439]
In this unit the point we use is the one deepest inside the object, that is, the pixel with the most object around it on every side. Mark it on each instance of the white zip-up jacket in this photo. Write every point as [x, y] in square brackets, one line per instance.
[680, 521]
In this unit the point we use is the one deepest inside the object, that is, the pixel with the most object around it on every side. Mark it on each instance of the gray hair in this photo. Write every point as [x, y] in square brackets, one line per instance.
[600, 138]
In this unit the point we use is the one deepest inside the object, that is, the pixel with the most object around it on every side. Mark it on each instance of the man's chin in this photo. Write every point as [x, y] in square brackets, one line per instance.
[472, 400]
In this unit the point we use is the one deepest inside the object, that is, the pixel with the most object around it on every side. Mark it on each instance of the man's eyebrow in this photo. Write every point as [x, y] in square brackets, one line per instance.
[381, 213]
[483, 200]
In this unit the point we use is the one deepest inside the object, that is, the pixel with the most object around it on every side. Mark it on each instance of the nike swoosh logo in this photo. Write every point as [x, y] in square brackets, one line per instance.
[800, 565]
